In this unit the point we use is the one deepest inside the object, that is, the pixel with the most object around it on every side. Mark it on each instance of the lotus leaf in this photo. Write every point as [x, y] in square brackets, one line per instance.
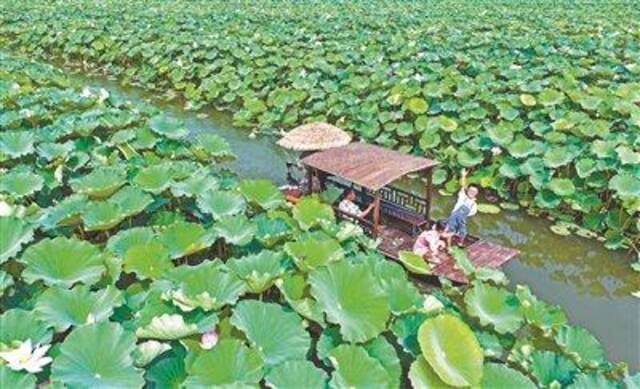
[168, 126]
[403, 295]
[229, 363]
[539, 313]
[295, 290]
[417, 105]
[13, 379]
[14, 233]
[310, 212]
[167, 327]
[19, 325]
[19, 184]
[414, 263]
[296, 374]
[498, 376]
[452, 350]
[64, 308]
[183, 239]
[494, 306]
[154, 179]
[550, 97]
[147, 260]
[350, 297]
[219, 203]
[625, 185]
[66, 213]
[167, 372]
[16, 144]
[81, 365]
[547, 367]
[381, 350]
[101, 215]
[200, 182]
[314, 250]
[6, 281]
[262, 193]
[562, 187]
[62, 262]
[355, 369]
[236, 230]
[131, 200]
[581, 345]
[257, 319]
[557, 157]
[211, 146]
[421, 375]
[258, 271]
[147, 351]
[100, 183]
[588, 381]
[120, 243]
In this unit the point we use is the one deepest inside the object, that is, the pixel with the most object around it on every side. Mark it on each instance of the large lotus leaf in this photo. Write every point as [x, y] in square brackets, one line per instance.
[147, 260]
[550, 97]
[350, 297]
[220, 203]
[558, 157]
[310, 212]
[172, 326]
[562, 187]
[314, 250]
[102, 182]
[500, 376]
[295, 375]
[452, 350]
[14, 233]
[120, 243]
[19, 183]
[271, 230]
[167, 373]
[200, 182]
[183, 238]
[147, 351]
[64, 308]
[155, 178]
[417, 105]
[381, 350]
[258, 271]
[101, 216]
[66, 213]
[209, 286]
[581, 345]
[14, 379]
[295, 290]
[209, 146]
[98, 356]
[468, 157]
[414, 263]
[547, 366]
[405, 328]
[538, 313]
[16, 144]
[595, 380]
[236, 230]
[258, 319]
[354, 368]
[625, 185]
[62, 262]
[19, 325]
[494, 306]
[131, 200]
[422, 376]
[261, 192]
[230, 363]
[403, 295]
[168, 126]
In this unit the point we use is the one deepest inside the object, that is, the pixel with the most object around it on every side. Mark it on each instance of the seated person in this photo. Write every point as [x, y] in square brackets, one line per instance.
[466, 206]
[348, 205]
[429, 241]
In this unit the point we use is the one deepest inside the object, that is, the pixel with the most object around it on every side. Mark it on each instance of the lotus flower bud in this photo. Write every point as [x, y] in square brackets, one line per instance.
[209, 339]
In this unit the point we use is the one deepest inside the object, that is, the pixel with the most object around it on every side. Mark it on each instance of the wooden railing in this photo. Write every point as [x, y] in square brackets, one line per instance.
[404, 199]
[366, 224]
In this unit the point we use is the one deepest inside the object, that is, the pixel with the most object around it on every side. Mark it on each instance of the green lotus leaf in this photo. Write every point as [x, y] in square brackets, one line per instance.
[381, 350]
[488, 208]
[256, 319]
[562, 187]
[169, 327]
[209, 286]
[499, 376]
[81, 363]
[445, 123]
[19, 325]
[229, 363]
[101, 215]
[295, 291]
[120, 243]
[52, 151]
[581, 345]
[50, 261]
[258, 271]
[236, 230]
[14, 234]
[16, 144]
[183, 239]
[147, 260]
[314, 250]
[429, 140]
[422, 375]
[261, 192]
[20, 183]
[219, 203]
[310, 212]
[354, 368]
[414, 263]
[594, 380]
[154, 179]
[168, 126]
[271, 230]
[167, 373]
[405, 328]
[547, 199]
[494, 306]
[527, 100]
[584, 167]
[13, 379]
[625, 185]
[6, 282]
[131, 200]
[200, 182]
[452, 350]
[403, 295]
[521, 147]
[627, 155]
[64, 308]
[296, 374]
[547, 366]
[147, 351]
[550, 97]
[417, 105]
[211, 146]
[66, 213]
[350, 297]
[538, 313]
[102, 182]
[501, 134]
[469, 158]
[557, 157]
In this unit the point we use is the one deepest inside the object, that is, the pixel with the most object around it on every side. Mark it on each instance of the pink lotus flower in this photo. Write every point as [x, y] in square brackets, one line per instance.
[209, 339]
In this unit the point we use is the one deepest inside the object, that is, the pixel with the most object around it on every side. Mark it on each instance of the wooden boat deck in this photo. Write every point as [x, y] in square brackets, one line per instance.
[481, 253]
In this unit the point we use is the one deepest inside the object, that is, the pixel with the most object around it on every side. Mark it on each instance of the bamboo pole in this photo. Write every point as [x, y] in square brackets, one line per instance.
[376, 214]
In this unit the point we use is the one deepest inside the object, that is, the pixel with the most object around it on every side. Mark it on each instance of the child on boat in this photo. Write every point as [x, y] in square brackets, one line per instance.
[429, 242]
[466, 206]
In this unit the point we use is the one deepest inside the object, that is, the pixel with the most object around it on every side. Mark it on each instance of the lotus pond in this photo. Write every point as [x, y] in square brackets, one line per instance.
[130, 255]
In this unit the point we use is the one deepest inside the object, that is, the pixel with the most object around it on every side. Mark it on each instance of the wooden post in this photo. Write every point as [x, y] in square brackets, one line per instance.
[428, 189]
[376, 213]
[309, 180]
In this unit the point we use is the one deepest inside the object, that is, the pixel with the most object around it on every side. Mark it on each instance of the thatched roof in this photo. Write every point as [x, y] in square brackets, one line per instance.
[314, 136]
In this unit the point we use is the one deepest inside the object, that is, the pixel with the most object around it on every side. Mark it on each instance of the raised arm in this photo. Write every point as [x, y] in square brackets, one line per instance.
[463, 178]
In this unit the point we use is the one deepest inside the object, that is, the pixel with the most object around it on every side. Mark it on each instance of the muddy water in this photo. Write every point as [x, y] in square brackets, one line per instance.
[590, 283]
